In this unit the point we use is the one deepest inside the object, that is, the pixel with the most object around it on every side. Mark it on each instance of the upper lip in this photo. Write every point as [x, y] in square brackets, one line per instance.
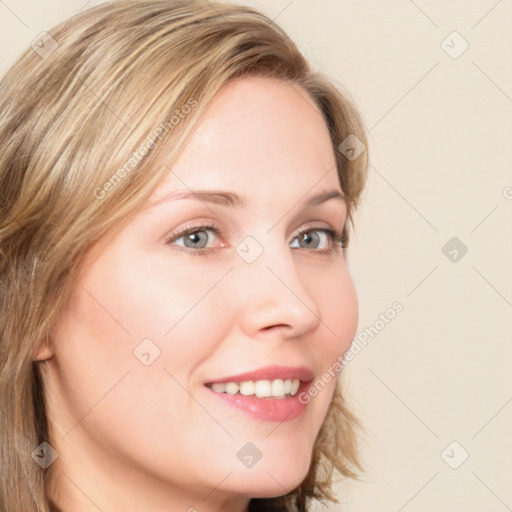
[270, 373]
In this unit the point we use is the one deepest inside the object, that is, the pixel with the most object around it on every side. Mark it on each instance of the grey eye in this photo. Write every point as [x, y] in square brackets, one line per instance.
[318, 238]
[196, 240]
[310, 239]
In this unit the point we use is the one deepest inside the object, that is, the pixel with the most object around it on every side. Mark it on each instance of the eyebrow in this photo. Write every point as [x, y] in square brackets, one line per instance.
[233, 200]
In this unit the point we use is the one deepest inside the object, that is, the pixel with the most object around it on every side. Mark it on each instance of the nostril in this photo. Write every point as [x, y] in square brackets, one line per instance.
[278, 326]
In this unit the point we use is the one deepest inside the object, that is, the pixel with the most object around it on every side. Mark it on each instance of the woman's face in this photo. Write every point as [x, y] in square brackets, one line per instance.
[155, 315]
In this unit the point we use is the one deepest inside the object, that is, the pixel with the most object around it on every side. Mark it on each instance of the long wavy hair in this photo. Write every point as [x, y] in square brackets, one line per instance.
[74, 109]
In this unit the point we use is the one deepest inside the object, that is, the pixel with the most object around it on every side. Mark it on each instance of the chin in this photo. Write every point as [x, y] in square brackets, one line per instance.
[272, 480]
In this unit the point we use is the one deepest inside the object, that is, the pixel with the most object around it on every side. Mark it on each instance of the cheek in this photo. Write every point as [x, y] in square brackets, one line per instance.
[123, 405]
[337, 301]
[138, 331]
[154, 298]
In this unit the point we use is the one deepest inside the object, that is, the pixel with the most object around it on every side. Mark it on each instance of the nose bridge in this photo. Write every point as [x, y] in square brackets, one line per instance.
[272, 290]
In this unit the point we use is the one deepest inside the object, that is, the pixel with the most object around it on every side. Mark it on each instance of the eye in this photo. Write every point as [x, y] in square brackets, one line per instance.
[201, 239]
[196, 240]
[320, 239]
[195, 237]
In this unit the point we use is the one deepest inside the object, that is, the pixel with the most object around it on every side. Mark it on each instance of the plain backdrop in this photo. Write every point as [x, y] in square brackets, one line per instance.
[432, 386]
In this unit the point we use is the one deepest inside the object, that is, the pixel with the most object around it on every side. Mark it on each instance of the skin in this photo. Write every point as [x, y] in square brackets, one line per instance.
[133, 437]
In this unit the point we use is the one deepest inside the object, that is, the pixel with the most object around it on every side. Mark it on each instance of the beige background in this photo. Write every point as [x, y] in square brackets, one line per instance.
[440, 133]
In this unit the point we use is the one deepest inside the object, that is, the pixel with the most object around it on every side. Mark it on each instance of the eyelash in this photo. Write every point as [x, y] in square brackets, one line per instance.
[338, 240]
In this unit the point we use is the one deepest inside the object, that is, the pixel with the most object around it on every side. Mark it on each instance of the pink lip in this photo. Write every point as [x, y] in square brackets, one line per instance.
[270, 373]
[267, 409]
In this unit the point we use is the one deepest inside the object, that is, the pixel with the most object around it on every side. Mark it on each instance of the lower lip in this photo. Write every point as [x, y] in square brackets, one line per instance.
[266, 409]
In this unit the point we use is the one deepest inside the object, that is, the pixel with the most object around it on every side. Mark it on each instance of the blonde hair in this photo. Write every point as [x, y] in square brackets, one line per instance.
[76, 113]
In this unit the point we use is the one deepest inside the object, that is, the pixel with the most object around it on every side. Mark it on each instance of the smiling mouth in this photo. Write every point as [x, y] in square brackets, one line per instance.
[269, 389]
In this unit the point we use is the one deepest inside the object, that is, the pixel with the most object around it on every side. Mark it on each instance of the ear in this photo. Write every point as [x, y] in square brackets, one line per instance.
[43, 350]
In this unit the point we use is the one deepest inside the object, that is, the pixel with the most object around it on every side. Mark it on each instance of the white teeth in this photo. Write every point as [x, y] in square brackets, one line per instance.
[232, 388]
[247, 388]
[295, 387]
[263, 388]
[278, 388]
[219, 388]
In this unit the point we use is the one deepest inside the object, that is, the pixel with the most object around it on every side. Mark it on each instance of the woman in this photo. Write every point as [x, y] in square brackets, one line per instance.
[135, 375]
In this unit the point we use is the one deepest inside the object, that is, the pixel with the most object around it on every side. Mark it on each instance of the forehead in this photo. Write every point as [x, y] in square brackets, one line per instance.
[261, 132]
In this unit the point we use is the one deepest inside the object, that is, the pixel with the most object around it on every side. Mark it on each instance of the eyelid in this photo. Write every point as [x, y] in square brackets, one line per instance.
[338, 239]
[191, 228]
[326, 227]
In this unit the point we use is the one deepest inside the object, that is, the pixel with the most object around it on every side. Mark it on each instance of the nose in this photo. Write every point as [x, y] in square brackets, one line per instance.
[273, 297]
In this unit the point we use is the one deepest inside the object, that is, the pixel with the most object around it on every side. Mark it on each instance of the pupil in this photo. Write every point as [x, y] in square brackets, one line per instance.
[196, 240]
[308, 238]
